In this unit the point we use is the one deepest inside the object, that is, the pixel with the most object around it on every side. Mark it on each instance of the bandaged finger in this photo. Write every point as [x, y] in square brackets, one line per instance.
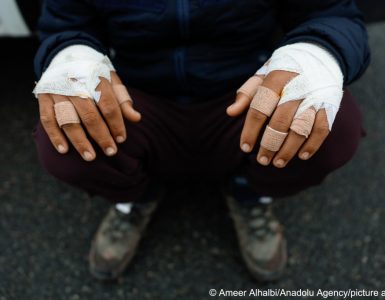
[65, 113]
[272, 139]
[249, 88]
[121, 93]
[265, 100]
[303, 124]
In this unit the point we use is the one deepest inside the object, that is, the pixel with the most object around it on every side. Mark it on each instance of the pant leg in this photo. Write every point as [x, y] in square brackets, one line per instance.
[176, 141]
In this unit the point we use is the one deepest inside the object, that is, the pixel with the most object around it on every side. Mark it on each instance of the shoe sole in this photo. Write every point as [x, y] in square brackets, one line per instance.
[262, 275]
[113, 274]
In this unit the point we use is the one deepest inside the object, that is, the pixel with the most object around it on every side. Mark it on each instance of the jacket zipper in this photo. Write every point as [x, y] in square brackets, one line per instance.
[180, 52]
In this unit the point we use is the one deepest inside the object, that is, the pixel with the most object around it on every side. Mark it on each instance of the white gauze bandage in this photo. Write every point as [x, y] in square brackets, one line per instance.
[319, 83]
[75, 71]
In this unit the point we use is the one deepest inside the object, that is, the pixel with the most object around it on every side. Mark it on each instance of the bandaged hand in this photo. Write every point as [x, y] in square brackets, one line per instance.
[80, 95]
[299, 91]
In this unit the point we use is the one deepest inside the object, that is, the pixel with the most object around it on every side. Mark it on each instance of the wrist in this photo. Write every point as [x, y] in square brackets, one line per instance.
[75, 71]
[325, 58]
[79, 53]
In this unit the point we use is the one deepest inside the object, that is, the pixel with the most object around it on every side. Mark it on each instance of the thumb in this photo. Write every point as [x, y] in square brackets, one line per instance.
[242, 101]
[127, 108]
[244, 96]
[129, 112]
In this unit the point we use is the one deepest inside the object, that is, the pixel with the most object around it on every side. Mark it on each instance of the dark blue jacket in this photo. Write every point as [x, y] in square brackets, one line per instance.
[199, 49]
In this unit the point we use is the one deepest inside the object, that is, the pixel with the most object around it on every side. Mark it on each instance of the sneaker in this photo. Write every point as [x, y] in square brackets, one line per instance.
[117, 238]
[261, 239]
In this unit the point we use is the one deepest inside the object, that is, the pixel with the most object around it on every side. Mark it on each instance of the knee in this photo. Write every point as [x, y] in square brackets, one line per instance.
[71, 167]
[333, 156]
[58, 165]
[343, 141]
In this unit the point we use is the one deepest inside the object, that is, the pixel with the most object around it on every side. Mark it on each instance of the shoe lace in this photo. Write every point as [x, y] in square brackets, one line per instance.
[262, 222]
[122, 222]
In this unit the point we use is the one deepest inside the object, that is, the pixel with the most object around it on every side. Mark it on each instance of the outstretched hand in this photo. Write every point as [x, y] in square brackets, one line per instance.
[102, 121]
[281, 121]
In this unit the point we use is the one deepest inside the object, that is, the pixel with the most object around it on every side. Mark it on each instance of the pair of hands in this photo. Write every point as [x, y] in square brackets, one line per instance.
[104, 123]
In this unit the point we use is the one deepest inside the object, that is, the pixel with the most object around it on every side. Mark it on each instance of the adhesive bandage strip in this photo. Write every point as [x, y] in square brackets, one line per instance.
[65, 113]
[249, 88]
[303, 124]
[75, 71]
[319, 81]
[121, 93]
[272, 139]
[265, 100]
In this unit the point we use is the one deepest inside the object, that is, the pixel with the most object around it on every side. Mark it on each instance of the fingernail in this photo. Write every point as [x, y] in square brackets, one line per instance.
[87, 155]
[305, 155]
[280, 162]
[263, 160]
[120, 139]
[61, 148]
[110, 151]
[245, 147]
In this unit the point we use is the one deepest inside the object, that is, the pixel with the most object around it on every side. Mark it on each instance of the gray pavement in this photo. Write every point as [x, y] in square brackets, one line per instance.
[335, 232]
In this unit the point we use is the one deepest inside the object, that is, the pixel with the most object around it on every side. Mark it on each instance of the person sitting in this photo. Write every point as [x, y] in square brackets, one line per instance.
[135, 95]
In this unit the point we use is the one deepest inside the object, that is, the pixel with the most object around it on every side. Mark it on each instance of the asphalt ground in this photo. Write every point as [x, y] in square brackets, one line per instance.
[335, 231]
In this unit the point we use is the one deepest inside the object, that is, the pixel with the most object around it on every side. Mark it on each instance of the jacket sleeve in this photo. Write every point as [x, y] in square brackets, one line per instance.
[337, 25]
[66, 23]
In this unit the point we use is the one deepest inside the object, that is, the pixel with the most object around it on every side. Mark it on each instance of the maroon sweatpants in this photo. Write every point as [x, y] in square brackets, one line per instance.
[195, 142]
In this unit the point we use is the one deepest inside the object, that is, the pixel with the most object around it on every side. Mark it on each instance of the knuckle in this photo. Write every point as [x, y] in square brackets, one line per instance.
[90, 118]
[47, 121]
[321, 130]
[256, 115]
[109, 110]
[280, 122]
[117, 130]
